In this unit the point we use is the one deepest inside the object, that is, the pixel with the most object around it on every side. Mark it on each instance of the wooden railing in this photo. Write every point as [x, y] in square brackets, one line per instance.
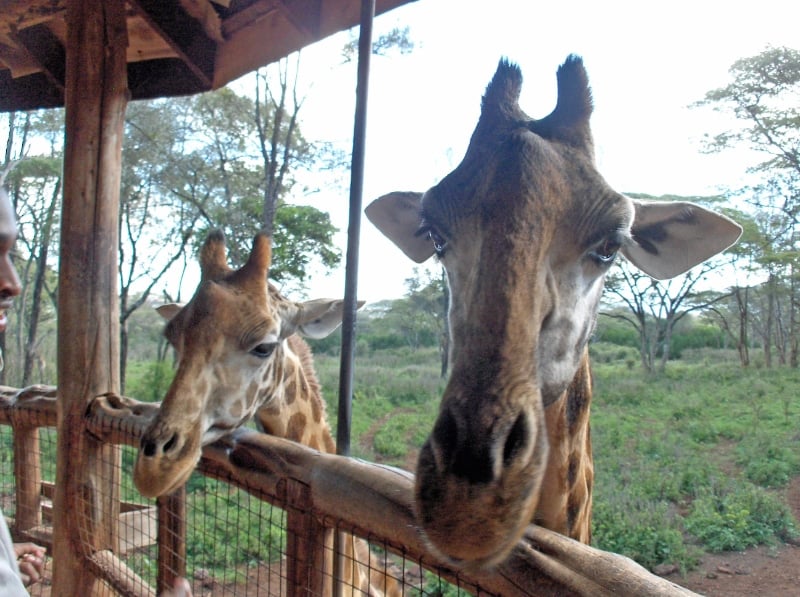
[370, 500]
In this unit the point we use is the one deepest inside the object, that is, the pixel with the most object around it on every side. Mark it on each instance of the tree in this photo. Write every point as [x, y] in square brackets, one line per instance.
[154, 228]
[764, 96]
[248, 156]
[34, 184]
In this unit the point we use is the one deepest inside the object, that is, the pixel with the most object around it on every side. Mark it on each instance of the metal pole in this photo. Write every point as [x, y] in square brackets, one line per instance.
[351, 265]
[354, 232]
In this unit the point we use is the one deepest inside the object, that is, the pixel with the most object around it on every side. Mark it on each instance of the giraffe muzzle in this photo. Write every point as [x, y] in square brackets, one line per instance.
[477, 486]
[165, 460]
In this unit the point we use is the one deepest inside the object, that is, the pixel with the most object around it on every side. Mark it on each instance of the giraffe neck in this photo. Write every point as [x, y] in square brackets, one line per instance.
[565, 504]
[297, 411]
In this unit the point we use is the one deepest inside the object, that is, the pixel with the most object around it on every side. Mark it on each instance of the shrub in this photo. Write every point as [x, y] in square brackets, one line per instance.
[642, 530]
[768, 463]
[737, 517]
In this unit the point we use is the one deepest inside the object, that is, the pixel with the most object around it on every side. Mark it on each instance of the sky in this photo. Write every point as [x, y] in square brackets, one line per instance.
[647, 62]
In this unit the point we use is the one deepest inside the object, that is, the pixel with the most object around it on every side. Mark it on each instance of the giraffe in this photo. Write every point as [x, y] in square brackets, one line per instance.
[240, 356]
[526, 229]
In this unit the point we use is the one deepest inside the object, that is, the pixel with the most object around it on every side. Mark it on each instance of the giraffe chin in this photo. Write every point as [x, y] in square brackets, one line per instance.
[153, 479]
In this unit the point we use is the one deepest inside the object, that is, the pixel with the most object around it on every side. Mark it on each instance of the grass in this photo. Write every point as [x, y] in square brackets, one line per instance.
[693, 460]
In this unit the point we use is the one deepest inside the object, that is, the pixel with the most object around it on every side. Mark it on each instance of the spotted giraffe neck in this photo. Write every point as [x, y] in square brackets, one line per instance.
[297, 412]
[566, 493]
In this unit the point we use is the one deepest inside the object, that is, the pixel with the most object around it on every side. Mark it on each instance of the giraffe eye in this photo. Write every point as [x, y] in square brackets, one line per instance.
[439, 243]
[606, 251]
[264, 350]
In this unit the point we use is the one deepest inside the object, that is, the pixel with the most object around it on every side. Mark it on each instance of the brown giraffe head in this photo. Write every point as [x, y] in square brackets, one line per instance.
[232, 345]
[526, 229]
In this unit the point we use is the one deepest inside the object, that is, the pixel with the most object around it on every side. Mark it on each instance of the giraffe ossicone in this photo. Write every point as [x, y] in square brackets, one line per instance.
[526, 229]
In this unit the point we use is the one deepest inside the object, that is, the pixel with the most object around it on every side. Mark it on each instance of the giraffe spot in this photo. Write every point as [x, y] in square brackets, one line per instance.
[251, 393]
[295, 427]
[313, 442]
[290, 391]
[572, 470]
[264, 395]
[330, 447]
[316, 410]
[236, 410]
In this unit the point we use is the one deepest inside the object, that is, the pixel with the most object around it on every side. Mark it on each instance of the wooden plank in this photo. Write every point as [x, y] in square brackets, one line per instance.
[88, 331]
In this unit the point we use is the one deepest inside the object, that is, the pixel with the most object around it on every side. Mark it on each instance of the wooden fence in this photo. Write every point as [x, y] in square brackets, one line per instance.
[315, 491]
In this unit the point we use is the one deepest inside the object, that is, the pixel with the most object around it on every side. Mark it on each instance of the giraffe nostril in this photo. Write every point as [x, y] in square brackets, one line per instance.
[515, 440]
[148, 448]
[171, 443]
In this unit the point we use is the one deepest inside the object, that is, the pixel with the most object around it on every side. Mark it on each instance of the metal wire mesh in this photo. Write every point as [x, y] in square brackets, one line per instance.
[226, 540]
[30, 522]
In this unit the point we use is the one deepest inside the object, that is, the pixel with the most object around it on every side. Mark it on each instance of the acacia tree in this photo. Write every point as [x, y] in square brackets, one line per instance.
[764, 96]
[654, 308]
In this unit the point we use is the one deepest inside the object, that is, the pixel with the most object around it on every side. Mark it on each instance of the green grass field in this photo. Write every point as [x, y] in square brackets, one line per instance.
[694, 460]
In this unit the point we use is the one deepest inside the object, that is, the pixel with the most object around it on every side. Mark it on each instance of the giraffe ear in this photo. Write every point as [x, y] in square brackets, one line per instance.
[169, 310]
[398, 216]
[670, 238]
[319, 318]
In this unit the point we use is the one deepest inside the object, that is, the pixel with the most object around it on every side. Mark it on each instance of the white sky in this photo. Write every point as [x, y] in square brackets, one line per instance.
[646, 61]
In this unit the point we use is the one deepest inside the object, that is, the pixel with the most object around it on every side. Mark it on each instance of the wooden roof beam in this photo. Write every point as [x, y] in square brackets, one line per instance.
[44, 48]
[186, 35]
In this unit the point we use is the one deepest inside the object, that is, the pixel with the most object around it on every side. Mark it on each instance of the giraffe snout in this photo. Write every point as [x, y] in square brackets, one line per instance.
[477, 484]
[166, 458]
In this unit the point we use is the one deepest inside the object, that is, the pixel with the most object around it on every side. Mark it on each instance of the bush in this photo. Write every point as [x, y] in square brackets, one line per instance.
[738, 517]
[642, 530]
[768, 463]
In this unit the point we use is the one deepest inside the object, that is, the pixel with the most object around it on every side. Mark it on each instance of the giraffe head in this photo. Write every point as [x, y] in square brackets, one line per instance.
[231, 341]
[526, 229]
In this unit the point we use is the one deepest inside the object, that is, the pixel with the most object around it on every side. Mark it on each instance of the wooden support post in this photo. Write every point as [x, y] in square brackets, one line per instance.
[86, 504]
[171, 538]
[306, 539]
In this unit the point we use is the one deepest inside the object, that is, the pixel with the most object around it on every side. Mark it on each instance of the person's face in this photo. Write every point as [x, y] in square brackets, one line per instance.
[9, 280]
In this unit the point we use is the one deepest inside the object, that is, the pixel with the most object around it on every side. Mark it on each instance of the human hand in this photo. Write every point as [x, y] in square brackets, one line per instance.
[30, 559]
[180, 588]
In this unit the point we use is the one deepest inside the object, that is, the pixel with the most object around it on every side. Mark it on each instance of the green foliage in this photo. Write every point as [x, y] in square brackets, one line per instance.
[148, 380]
[436, 587]
[664, 445]
[768, 462]
[645, 531]
[738, 516]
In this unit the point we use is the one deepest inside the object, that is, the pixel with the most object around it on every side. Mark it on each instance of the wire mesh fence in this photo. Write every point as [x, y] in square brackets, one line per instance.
[226, 539]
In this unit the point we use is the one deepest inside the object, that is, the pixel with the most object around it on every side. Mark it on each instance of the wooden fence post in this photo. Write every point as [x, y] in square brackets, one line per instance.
[28, 475]
[306, 539]
[171, 538]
